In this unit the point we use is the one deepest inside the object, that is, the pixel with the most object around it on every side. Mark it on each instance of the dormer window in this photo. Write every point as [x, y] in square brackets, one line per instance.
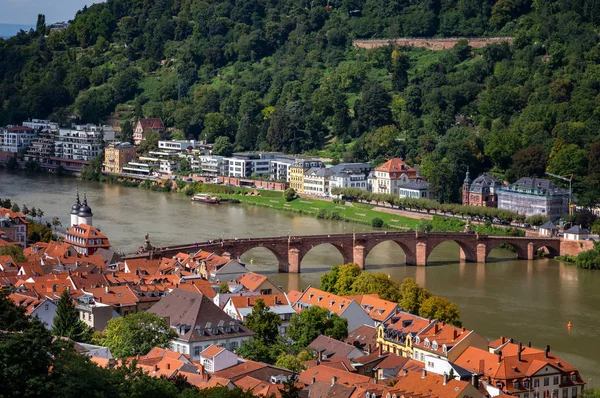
[574, 377]
[417, 340]
[526, 384]
[331, 303]
[444, 349]
[319, 299]
[434, 345]
[516, 385]
[427, 343]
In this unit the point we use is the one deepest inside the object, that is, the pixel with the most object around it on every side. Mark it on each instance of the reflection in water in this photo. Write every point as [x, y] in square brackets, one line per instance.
[526, 300]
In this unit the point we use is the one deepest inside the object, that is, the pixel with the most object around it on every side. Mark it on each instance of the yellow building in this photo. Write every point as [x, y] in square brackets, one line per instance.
[118, 155]
[297, 171]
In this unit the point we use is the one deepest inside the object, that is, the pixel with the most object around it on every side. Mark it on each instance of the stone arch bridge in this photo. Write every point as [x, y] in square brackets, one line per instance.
[417, 246]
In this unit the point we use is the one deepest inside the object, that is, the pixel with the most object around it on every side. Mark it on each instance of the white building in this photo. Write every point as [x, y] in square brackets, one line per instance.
[576, 233]
[350, 175]
[82, 142]
[240, 306]
[316, 181]
[179, 146]
[213, 165]
[18, 138]
[38, 124]
[389, 176]
[144, 166]
[416, 189]
[243, 165]
[199, 323]
[215, 358]
[280, 168]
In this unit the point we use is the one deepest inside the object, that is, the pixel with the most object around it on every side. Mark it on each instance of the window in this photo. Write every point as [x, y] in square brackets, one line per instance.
[526, 395]
[516, 385]
[526, 383]
[555, 381]
[574, 392]
[555, 393]
[536, 383]
[197, 350]
[536, 395]
[546, 381]
[46, 306]
[573, 377]
[565, 393]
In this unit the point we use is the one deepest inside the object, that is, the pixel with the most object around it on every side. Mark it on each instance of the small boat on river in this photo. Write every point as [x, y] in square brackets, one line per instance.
[205, 198]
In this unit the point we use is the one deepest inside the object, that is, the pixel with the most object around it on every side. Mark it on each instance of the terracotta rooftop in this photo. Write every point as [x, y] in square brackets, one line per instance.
[320, 298]
[396, 167]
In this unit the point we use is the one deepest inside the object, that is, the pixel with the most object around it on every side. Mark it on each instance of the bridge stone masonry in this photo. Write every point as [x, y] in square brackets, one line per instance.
[417, 246]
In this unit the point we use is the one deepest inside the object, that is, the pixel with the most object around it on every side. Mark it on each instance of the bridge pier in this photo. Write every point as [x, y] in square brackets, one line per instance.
[481, 253]
[359, 256]
[294, 260]
[530, 252]
[420, 254]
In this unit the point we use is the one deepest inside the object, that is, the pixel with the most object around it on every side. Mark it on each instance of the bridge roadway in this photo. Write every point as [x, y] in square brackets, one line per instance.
[354, 247]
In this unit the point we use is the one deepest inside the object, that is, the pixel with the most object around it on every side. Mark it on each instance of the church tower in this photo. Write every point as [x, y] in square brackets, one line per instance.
[85, 212]
[466, 188]
[75, 210]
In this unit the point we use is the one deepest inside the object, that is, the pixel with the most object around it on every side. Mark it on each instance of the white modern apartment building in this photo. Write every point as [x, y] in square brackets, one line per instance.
[244, 164]
[280, 168]
[39, 124]
[316, 181]
[18, 138]
[179, 146]
[212, 165]
[82, 142]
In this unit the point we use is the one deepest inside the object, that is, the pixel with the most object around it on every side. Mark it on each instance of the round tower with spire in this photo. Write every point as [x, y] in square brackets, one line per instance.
[85, 212]
[466, 188]
[75, 210]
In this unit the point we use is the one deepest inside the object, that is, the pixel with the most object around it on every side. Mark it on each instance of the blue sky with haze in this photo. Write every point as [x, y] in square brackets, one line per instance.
[26, 11]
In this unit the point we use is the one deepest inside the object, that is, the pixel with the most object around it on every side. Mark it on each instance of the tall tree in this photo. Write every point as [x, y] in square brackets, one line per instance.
[412, 295]
[313, 322]
[67, 322]
[263, 322]
[136, 334]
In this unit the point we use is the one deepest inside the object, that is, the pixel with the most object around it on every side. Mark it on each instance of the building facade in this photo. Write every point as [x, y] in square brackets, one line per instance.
[481, 192]
[41, 149]
[82, 142]
[350, 175]
[117, 155]
[38, 124]
[14, 225]
[416, 189]
[530, 196]
[297, 171]
[245, 164]
[145, 126]
[18, 138]
[389, 176]
[316, 181]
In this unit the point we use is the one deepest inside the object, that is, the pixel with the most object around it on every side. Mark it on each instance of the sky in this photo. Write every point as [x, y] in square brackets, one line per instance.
[26, 11]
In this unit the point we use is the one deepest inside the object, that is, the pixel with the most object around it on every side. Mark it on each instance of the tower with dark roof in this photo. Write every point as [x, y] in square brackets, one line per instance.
[75, 210]
[466, 188]
[85, 212]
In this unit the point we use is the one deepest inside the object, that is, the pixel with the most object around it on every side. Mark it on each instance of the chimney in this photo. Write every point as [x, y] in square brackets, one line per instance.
[445, 378]
[499, 356]
[547, 351]
[424, 374]
[519, 353]
[529, 344]
[481, 366]
[156, 368]
[454, 334]
[320, 356]
[475, 380]
[333, 380]
[106, 289]
[313, 380]
[502, 340]
[369, 349]
[168, 366]
[380, 350]
[436, 328]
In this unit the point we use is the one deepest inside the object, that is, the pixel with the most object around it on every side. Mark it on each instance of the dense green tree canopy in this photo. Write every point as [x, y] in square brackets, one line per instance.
[313, 322]
[278, 76]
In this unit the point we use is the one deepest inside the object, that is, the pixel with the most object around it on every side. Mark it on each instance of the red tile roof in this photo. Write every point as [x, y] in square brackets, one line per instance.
[212, 351]
[378, 309]
[396, 167]
[152, 123]
[320, 298]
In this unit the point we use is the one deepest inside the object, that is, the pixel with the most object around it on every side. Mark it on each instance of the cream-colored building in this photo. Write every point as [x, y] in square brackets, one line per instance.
[389, 176]
[118, 155]
[297, 171]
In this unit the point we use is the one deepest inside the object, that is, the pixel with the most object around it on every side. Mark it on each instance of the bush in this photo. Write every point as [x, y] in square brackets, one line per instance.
[537, 220]
[289, 194]
[377, 222]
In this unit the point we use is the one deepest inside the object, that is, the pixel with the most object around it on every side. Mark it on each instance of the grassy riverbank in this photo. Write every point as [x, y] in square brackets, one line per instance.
[328, 210]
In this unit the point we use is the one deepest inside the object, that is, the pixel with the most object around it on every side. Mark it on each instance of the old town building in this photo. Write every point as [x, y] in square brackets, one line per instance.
[388, 177]
[117, 155]
[483, 191]
[145, 126]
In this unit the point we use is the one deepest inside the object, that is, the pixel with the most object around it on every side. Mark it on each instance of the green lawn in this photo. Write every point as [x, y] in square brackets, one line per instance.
[363, 214]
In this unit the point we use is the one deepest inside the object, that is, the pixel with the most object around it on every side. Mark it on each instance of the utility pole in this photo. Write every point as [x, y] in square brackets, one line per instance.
[569, 179]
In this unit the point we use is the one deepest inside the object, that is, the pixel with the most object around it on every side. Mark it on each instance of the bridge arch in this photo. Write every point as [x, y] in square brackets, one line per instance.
[280, 255]
[409, 252]
[551, 247]
[468, 251]
[520, 247]
[345, 250]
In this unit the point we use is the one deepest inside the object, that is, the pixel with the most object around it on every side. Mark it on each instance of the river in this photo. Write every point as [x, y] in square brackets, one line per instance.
[527, 300]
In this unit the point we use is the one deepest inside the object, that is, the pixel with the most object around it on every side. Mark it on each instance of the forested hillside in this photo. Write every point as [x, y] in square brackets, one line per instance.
[282, 75]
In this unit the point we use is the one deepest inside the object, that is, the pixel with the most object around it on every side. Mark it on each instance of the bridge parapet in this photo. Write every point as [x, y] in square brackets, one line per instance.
[417, 246]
